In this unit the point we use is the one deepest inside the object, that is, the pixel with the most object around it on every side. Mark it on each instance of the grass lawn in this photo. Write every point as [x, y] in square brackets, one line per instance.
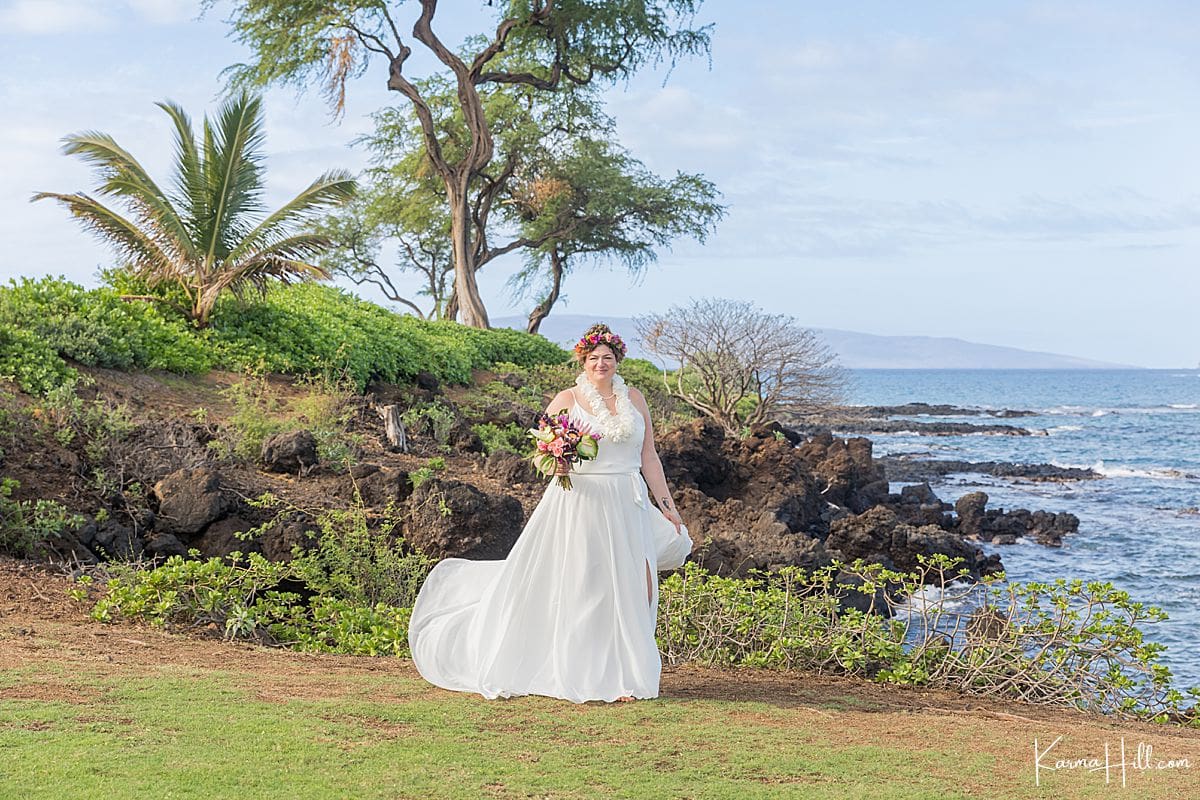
[120, 711]
[170, 730]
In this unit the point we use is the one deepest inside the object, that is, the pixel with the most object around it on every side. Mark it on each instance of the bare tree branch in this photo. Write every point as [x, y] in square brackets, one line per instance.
[739, 365]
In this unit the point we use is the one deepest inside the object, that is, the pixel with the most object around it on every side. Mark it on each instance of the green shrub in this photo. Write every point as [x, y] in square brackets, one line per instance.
[360, 563]
[435, 420]
[26, 524]
[97, 328]
[29, 362]
[364, 578]
[301, 329]
[540, 381]
[665, 411]
[325, 411]
[315, 329]
[238, 595]
[432, 467]
[1069, 643]
[254, 419]
[510, 438]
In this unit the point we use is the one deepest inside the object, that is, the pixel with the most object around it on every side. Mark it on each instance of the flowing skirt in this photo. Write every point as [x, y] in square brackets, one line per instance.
[568, 614]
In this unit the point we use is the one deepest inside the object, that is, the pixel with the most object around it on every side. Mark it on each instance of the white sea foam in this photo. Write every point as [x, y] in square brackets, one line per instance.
[1064, 410]
[1156, 473]
[1064, 429]
[1091, 411]
[954, 596]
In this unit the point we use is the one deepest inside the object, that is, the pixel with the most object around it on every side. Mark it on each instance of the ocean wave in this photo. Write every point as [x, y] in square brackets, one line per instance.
[954, 596]
[1104, 411]
[1156, 473]
[1064, 429]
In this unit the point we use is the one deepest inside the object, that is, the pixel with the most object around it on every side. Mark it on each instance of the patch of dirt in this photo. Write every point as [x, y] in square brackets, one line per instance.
[50, 692]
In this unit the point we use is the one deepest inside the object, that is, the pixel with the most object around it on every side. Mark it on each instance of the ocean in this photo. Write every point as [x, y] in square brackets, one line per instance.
[1139, 526]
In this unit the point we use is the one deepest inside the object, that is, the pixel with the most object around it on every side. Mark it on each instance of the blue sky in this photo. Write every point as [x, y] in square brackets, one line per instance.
[1021, 174]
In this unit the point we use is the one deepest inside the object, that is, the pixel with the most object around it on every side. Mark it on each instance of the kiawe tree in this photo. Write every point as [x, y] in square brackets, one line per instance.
[541, 46]
[601, 204]
[410, 216]
[558, 191]
[208, 234]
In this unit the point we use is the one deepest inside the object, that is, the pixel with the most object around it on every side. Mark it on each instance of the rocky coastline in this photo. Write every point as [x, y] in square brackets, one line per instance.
[780, 496]
[867, 420]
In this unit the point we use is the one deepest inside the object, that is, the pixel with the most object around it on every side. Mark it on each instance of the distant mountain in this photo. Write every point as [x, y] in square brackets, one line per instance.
[868, 351]
[855, 350]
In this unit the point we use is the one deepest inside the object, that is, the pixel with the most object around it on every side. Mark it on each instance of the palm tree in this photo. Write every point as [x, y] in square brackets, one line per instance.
[208, 235]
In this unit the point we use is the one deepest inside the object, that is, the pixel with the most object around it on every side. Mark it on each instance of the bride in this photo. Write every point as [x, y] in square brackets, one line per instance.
[571, 612]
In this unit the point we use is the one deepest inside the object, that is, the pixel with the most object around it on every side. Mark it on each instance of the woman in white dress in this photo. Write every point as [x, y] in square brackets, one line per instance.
[571, 612]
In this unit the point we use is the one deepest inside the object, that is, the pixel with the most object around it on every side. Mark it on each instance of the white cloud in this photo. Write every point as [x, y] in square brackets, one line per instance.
[165, 12]
[46, 17]
[51, 16]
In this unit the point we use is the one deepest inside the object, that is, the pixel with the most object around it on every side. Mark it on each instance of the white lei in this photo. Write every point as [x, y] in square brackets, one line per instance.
[615, 427]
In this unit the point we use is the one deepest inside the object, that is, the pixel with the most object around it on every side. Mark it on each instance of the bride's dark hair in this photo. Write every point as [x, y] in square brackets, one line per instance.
[597, 335]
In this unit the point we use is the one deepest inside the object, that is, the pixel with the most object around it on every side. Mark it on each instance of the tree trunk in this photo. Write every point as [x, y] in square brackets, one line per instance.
[393, 427]
[542, 309]
[466, 291]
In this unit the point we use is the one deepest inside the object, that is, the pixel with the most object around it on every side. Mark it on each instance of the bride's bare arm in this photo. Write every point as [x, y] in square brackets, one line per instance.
[652, 469]
[564, 399]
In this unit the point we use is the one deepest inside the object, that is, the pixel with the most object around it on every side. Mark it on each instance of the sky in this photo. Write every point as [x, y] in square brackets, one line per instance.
[1012, 173]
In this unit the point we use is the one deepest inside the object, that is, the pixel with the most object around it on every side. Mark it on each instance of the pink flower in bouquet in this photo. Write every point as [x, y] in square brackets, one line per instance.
[559, 444]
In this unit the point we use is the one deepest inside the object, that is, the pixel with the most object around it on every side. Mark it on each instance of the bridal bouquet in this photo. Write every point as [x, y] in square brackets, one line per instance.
[559, 443]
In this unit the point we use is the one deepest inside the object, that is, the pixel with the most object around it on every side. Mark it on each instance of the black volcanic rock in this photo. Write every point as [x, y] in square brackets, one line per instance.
[878, 536]
[290, 451]
[452, 519]
[900, 468]
[188, 501]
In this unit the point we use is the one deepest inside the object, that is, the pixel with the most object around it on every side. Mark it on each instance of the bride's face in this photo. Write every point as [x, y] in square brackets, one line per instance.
[600, 364]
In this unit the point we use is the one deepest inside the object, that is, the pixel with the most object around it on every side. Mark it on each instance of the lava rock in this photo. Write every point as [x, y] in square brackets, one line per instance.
[878, 536]
[290, 451]
[452, 519]
[189, 500]
[164, 545]
[970, 510]
[116, 542]
[221, 538]
[510, 468]
[385, 485]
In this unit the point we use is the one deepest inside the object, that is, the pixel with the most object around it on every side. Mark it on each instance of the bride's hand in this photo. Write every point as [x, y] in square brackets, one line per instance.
[673, 517]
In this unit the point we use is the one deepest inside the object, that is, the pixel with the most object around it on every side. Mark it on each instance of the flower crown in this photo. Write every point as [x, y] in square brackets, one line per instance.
[589, 342]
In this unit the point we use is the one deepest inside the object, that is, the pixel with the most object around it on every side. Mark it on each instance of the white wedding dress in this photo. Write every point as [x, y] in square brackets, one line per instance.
[566, 614]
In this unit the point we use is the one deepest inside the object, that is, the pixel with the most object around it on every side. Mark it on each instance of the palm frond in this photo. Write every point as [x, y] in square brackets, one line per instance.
[258, 273]
[231, 163]
[191, 196]
[126, 178]
[301, 247]
[331, 189]
[133, 244]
